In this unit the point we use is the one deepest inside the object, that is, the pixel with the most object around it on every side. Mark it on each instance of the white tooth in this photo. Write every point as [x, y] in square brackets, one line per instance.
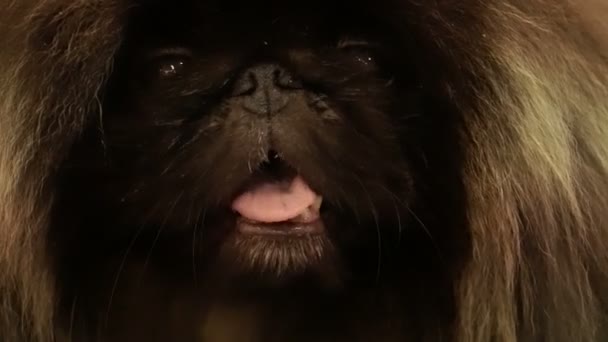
[316, 206]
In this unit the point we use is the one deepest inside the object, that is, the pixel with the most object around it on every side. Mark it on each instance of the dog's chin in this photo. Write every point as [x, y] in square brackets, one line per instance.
[276, 254]
[276, 258]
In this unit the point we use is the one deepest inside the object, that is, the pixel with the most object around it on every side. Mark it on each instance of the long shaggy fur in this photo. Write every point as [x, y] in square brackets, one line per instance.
[530, 79]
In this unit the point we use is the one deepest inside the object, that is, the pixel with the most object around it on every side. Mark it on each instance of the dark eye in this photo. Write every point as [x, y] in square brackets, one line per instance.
[169, 64]
[171, 68]
[361, 50]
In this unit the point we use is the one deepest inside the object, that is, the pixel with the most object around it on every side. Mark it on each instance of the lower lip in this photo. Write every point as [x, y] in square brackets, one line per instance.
[285, 229]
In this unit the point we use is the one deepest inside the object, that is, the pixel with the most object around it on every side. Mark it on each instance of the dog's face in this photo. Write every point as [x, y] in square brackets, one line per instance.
[280, 142]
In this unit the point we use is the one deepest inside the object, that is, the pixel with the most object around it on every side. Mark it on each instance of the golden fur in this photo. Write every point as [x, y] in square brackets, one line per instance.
[530, 78]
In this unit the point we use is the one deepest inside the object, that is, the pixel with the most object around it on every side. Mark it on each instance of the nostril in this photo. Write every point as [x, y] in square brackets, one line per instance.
[285, 80]
[264, 89]
[245, 85]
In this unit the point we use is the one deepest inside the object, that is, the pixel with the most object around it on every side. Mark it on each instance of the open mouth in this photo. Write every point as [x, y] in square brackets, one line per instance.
[276, 200]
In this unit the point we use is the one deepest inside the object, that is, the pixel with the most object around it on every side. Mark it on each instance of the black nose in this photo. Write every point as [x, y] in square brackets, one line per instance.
[265, 89]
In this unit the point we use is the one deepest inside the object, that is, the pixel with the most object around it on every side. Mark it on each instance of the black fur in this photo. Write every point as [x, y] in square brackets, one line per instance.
[449, 214]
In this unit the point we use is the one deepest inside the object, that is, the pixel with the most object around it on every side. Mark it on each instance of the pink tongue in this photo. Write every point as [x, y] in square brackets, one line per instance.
[275, 202]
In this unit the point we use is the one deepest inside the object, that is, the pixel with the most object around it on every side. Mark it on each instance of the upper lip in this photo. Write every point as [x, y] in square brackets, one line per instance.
[273, 168]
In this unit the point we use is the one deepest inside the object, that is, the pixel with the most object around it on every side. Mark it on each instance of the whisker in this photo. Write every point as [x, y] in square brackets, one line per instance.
[378, 231]
[121, 267]
[197, 226]
[161, 229]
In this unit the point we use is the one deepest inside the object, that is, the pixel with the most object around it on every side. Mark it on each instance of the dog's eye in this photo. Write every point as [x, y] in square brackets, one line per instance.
[361, 50]
[169, 64]
[171, 68]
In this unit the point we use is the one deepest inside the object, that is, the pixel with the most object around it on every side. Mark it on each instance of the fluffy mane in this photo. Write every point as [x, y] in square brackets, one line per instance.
[530, 81]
